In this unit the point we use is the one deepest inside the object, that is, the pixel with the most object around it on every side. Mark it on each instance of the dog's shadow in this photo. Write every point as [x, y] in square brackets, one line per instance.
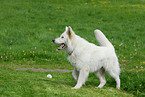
[70, 83]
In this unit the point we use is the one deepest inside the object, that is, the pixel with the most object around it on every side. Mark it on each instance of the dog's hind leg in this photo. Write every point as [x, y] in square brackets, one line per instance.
[83, 75]
[75, 74]
[101, 75]
[116, 77]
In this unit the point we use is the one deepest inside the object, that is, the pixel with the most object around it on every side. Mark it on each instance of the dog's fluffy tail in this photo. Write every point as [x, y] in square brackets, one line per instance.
[102, 40]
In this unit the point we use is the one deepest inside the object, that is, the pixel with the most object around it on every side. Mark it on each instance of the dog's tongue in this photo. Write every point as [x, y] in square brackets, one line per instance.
[61, 46]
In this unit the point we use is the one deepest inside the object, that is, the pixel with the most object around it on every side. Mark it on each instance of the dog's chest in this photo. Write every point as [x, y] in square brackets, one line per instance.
[72, 59]
[75, 61]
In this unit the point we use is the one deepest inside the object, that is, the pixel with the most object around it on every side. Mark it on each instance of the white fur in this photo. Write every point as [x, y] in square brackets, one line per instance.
[87, 57]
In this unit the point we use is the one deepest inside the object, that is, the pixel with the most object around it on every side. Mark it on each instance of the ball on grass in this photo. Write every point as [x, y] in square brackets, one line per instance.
[49, 76]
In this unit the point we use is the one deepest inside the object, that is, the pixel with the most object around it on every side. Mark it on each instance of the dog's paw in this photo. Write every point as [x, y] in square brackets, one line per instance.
[118, 88]
[75, 88]
[99, 87]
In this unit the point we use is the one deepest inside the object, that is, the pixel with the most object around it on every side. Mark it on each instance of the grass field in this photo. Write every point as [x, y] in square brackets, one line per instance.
[27, 28]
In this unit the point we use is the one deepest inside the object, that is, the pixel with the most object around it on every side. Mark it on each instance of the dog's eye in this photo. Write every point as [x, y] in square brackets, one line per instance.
[62, 37]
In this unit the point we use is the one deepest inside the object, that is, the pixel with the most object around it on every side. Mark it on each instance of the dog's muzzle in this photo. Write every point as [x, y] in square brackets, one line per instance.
[62, 46]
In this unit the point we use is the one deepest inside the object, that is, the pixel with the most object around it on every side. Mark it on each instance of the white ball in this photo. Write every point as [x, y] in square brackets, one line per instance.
[49, 76]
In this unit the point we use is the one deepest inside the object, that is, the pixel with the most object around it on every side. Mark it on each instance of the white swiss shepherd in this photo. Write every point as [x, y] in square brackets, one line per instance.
[87, 57]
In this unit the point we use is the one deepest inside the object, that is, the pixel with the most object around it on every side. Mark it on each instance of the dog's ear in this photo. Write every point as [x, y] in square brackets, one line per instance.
[70, 32]
[66, 28]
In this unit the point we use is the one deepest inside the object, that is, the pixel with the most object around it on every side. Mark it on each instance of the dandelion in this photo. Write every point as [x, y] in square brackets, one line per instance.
[30, 51]
[123, 60]
[122, 6]
[58, 7]
[45, 52]
[137, 91]
[33, 54]
[24, 54]
[136, 71]
[102, 2]
[140, 69]
[138, 5]
[23, 51]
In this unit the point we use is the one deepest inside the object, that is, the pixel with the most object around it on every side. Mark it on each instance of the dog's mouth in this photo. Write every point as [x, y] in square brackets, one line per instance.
[62, 46]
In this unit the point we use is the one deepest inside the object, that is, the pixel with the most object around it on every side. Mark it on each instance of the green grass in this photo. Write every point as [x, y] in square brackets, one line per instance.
[27, 28]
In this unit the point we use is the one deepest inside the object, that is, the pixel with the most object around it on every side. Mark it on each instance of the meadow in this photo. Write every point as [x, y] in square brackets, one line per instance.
[27, 28]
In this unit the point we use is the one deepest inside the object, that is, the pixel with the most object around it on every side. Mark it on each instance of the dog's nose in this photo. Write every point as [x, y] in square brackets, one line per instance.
[53, 40]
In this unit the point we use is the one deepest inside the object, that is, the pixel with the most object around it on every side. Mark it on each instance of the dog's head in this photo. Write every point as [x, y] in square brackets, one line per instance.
[64, 38]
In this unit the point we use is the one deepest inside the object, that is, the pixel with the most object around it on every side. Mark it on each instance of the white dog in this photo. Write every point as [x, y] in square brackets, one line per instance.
[87, 57]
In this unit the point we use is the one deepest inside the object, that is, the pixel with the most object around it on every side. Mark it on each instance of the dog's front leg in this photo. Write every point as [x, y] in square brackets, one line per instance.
[75, 74]
[83, 75]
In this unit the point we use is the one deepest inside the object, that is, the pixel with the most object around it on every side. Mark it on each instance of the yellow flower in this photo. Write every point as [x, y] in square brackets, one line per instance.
[137, 91]
[123, 60]
[137, 71]
[58, 7]
[33, 54]
[138, 5]
[140, 69]
[102, 2]
[24, 53]
[121, 5]
[30, 51]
